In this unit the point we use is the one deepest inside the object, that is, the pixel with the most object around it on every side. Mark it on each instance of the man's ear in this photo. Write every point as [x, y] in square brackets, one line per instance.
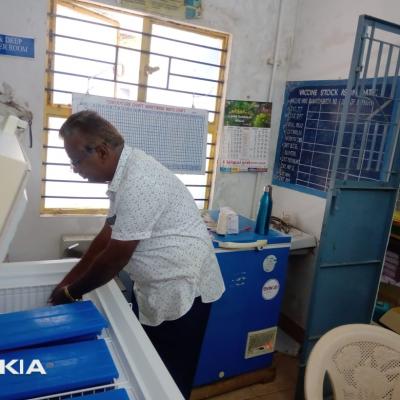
[103, 151]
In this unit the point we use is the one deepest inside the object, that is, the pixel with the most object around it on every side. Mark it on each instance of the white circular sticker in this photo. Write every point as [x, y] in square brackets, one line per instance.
[269, 263]
[270, 289]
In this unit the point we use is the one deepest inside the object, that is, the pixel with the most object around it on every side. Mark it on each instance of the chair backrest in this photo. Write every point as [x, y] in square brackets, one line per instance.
[362, 361]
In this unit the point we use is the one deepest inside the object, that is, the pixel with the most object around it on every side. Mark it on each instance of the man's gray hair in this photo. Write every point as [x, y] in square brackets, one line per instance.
[93, 127]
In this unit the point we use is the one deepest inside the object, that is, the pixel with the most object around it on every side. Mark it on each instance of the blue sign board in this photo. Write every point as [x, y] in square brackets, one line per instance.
[17, 46]
[308, 132]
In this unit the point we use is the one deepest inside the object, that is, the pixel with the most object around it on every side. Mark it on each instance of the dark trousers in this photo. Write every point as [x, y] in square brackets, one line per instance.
[179, 343]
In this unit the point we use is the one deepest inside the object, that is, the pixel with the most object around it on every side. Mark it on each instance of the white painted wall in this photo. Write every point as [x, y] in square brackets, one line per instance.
[253, 28]
[253, 25]
[324, 35]
[323, 46]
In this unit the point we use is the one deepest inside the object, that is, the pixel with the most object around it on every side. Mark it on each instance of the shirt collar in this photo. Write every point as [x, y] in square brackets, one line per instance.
[123, 158]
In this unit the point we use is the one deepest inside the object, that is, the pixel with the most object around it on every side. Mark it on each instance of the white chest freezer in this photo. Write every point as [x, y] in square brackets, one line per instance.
[27, 285]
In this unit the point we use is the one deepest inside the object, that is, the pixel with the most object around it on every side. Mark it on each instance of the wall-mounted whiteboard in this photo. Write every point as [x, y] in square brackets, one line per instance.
[175, 136]
[308, 134]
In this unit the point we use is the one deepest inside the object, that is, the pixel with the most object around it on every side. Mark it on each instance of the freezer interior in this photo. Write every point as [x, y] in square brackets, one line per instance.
[27, 285]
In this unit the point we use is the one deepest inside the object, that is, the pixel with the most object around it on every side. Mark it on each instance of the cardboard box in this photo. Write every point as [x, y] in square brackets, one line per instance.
[389, 293]
[391, 319]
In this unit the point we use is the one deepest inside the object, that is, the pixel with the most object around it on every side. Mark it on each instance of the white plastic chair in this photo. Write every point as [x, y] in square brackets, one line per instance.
[362, 362]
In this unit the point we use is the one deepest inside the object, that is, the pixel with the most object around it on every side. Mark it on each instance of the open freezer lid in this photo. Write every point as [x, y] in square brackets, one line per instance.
[14, 169]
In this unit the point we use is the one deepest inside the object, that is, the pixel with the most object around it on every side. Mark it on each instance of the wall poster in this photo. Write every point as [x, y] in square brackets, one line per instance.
[245, 141]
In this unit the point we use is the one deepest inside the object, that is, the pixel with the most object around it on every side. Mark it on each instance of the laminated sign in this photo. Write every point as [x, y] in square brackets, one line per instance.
[17, 46]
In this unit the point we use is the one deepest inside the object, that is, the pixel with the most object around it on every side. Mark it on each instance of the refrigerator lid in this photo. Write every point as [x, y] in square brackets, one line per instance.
[14, 170]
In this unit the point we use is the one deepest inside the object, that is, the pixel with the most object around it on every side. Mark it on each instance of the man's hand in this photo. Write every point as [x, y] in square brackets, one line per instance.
[60, 296]
[96, 247]
[54, 293]
[104, 267]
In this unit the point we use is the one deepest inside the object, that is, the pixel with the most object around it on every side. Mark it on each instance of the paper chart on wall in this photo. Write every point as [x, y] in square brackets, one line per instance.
[175, 136]
[245, 141]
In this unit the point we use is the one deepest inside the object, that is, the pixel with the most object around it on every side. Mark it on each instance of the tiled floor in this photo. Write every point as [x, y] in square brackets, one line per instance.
[282, 388]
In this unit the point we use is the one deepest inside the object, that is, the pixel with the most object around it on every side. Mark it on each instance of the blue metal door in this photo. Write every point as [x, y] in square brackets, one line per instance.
[363, 188]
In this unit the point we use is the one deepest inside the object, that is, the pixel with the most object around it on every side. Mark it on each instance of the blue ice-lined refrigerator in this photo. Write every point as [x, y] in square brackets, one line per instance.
[242, 326]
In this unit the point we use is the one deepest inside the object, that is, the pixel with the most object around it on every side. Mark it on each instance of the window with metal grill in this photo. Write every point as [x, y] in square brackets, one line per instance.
[106, 51]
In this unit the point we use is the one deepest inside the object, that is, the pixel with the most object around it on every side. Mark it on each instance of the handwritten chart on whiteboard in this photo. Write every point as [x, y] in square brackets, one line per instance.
[175, 136]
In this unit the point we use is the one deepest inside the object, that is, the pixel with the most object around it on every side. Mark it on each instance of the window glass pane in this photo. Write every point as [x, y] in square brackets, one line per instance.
[171, 48]
[57, 156]
[194, 69]
[83, 67]
[158, 76]
[53, 138]
[128, 92]
[100, 88]
[132, 40]
[88, 204]
[187, 36]
[55, 122]
[62, 98]
[85, 30]
[80, 85]
[75, 189]
[76, 47]
[205, 103]
[187, 51]
[183, 50]
[197, 192]
[193, 179]
[125, 20]
[193, 85]
[63, 172]
[128, 66]
[200, 204]
[169, 98]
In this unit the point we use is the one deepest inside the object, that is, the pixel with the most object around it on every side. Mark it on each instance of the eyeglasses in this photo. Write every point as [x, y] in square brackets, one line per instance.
[89, 151]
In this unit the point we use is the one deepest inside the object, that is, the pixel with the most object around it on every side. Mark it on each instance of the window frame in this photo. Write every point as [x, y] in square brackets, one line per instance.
[63, 111]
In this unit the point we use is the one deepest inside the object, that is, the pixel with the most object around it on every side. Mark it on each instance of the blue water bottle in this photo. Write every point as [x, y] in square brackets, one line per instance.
[264, 212]
[268, 219]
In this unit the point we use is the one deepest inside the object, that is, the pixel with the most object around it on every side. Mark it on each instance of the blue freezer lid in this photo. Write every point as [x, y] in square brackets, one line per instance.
[118, 394]
[247, 234]
[50, 324]
[68, 367]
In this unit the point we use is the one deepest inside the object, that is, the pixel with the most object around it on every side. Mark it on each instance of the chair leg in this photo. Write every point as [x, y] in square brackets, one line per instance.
[299, 394]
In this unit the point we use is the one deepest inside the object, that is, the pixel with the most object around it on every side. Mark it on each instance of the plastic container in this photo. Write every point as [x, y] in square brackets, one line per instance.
[264, 212]
[49, 325]
[67, 367]
[118, 394]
